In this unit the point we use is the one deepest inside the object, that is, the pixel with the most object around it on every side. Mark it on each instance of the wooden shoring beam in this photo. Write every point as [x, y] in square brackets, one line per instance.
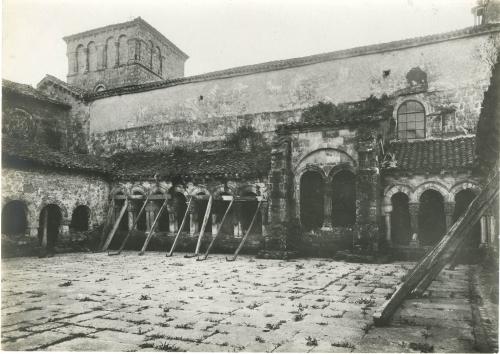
[169, 254]
[129, 233]
[107, 221]
[153, 227]
[115, 226]
[218, 231]
[420, 277]
[232, 259]
[202, 230]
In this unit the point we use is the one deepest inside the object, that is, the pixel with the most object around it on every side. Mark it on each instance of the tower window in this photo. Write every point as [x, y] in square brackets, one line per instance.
[411, 120]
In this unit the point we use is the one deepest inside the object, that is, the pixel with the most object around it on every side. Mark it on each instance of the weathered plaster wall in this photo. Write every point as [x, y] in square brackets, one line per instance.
[37, 188]
[452, 80]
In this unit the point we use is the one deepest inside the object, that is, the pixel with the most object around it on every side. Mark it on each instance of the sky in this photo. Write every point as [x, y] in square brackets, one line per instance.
[219, 34]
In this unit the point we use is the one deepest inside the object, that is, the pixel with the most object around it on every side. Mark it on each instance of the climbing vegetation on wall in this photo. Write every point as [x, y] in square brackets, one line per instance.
[327, 111]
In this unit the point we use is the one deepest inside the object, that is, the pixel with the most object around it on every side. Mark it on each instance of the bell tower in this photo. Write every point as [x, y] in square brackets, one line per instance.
[128, 53]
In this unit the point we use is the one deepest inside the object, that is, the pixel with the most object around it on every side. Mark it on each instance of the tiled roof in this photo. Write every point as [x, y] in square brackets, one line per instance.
[19, 153]
[295, 62]
[434, 155]
[224, 162]
[28, 91]
[60, 83]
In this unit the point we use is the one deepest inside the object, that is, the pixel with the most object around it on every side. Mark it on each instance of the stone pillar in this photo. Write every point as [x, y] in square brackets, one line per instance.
[484, 230]
[327, 207]
[32, 232]
[172, 222]
[388, 235]
[151, 212]
[72, 63]
[263, 212]
[193, 219]
[64, 229]
[131, 214]
[44, 228]
[86, 51]
[236, 220]
[493, 231]
[413, 209]
[215, 226]
[449, 208]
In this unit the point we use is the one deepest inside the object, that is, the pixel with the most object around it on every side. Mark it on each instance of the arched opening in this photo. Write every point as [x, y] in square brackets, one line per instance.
[123, 226]
[462, 201]
[220, 207]
[311, 200]
[179, 205]
[431, 218]
[81, 59]
[400, 219]
[80, 218]
[14, 220]
[247, 211]
[122, 50]
[99, 88]
[411, 120]
[110, 53]
[201, 205]
[163, 221]
[137, 205]
[92, 56]
[343, 199]
[49, 224]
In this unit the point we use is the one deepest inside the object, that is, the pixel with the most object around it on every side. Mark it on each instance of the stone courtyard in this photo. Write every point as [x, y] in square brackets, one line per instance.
[92, 302]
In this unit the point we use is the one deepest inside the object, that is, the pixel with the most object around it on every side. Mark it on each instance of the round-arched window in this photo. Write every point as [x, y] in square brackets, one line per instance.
[411, 120]
[99, 88]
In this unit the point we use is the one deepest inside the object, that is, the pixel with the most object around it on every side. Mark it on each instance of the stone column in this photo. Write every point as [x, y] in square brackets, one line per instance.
[151, 212]
[193, 219]
[131, 214]
[65, 227]
[327, 207]
[44, 228]
[86, 51]
[388, 235]
[484, 230]
[215, 226]
[449, 208]
[263, 212]
[413, 209]
[172, 222]
[493, 231]
[72, 63]
[236, 220]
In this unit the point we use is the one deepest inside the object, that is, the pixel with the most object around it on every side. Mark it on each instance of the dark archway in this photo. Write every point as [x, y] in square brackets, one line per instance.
[400, 219]
[201, 206]
[220, 207]
[343, 199]
[431, 218]
[164, 219]
[311, 200]
[179, 205]
[247, 211]
[14, 220]
[80, 218]
[50, 221]
[462, 201]
[137, 206]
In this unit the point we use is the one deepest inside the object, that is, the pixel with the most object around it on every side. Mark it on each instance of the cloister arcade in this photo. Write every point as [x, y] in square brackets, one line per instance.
[421, 215]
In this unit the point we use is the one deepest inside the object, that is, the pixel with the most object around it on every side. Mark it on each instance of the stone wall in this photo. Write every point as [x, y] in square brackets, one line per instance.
[40, 187]
[451, 80]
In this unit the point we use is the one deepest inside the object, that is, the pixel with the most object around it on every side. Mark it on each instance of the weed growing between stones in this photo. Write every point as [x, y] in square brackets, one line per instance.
[167, 347]
[343, 344]
[144, 297]
[311, 341]
[185, 326]
[259, 339]
[273, 326]
[66, 283]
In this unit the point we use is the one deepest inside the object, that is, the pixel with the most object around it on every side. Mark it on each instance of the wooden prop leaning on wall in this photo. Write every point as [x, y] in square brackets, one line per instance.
[169, 254]
[115, 226]
[202, 231]
[136, 220]
[233, 258]
[220, 227]
[106, 224]
[153, 228]
[420, 277]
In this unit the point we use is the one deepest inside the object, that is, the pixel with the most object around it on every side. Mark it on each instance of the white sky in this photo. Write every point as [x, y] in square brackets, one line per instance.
[219, 34]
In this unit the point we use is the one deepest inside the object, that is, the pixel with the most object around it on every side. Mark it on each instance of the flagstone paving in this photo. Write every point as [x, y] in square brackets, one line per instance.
[92, 302]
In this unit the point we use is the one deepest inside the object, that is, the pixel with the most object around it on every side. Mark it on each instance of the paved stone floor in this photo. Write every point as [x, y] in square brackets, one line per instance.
[92, 302]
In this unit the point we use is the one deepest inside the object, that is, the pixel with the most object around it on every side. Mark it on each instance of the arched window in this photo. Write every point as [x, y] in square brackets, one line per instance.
[99, 88]
[14, 221]
[343, 199]
[123, 50]
[151, 54]
[411, 121]
[81, 59]
[110, 53]
[80, 218]
[311, 200]
[92, 56]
